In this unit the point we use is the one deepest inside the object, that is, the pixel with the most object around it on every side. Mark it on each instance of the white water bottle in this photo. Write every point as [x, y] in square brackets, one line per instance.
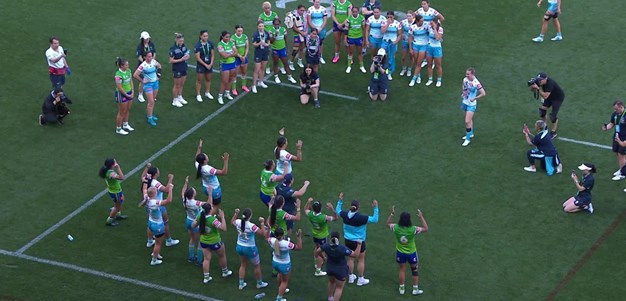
[259, 296]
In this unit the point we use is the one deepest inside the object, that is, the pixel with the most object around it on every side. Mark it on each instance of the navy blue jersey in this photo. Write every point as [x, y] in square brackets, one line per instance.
[336, 254]
[587, 182]
[287, 192]
[177, 52]
[142, 50]
[619, 124]
[204, 50]
[543, 141]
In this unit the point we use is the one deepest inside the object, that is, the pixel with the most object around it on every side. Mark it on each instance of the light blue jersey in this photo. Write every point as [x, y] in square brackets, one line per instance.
[317, 15]
[246, 238]
[428, 15]
[553, 5]
[420, 34]
[432, 41]
[392, 31]
[154, 212]
[355, 223]
[149, 71]
[209, 177]
[470, 90]
[376, 26]
[406, 29]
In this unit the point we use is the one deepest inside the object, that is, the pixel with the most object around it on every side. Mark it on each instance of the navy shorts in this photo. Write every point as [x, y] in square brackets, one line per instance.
[179, 74]
[379, 87]
[238, 61]
[352, 245]
[582, 201]
[117, 197]
[261, 55]
[213, 247]
[319, 241]
[202, 69]
[312, 60]
[339, 272]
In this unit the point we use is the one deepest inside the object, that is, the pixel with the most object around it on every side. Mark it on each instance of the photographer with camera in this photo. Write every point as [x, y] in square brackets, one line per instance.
[551, 96]
[57, 63]
[379, 82]
[54, 107]
[543, 149]
[309, 86]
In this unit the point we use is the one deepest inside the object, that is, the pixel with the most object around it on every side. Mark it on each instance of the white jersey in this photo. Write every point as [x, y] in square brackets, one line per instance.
[406, 29]
[282, 157]
[432, 41]
[209, 176]
[246, 238]
[192, 208]
[470, 90]
[428, 15]
[51, 54]
[149, 70]
[156, 184]
[420, 34]
[392, 32]
[375, 26]
[317, 16]
[154, 213]
[284, 247]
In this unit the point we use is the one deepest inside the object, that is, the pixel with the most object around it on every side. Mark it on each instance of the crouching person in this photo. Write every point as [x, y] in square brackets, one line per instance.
[54, 108]
[543, 149]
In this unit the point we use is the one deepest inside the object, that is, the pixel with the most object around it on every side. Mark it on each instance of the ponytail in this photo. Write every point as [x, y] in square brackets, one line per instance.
[200, 158]
[108, 164]
[279, 201]
[119, 61]
[206, 209]
[278, 235]
[246, 216]
[187, 196]
[279, 143]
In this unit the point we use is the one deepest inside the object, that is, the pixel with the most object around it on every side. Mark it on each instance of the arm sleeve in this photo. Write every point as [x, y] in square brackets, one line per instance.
[339, 205]
[374, 218]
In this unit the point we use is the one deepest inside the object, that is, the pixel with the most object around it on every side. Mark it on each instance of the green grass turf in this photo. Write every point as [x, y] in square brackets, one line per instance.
[497, 233]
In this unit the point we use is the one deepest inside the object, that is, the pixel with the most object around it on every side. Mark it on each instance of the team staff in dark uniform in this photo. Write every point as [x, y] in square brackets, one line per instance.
[379, 85]
[145, 46]
[54, 109]
[543, 149]
[204, 69]
[290, 195]
[309, 86]
[337, 266]
[618, 123]
[552, 95]
[179, 54]
[582, 199]
[261, 43]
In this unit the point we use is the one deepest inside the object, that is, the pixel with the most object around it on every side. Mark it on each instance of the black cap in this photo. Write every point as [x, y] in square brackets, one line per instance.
[542, 75]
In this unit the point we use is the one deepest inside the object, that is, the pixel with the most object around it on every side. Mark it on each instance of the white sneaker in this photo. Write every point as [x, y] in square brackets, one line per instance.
[291, 67]
[291, 79]
[530, 169]
[282, 70]
[409, 73]
[618, 172]
[389, 77]
[176, 103]
[207, 279]
[559, 168]
[300, 64]
[159, 257]
[127, 127]
[276, 79]
[227, 273]
[261, 284]
[150, 243]
[242, 285]
[557, 38]
[171, 242]
[267, 70]
[182, 100]
[140, 98]
[538, 39]
[590, 208]
[362, 281]
[362, 69]
[220, 100]
[121, 131]
[417, 291]
[424, 63]
[286, 290]
[618, 177]
[348, 69]
[463, 137]
[401, 289]
[402, 71]
[438, 84]
[199, 98]
[466, 142]
[351, 278]
[320, 273]
[228, 96]
[419, 80]
[429, 82]
[262, 85]
[156, 262]
[208, 95]
[412, 83]
[322, 60]
[254, 89]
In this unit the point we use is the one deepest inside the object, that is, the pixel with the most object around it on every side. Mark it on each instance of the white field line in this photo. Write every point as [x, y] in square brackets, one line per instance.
[108, 275]
[132, 172]
[585, 143]
[293, 86]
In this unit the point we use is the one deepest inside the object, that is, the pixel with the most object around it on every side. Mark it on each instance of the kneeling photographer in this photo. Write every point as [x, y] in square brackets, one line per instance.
[309, 86]
[551, 96]
[379, 82]
[54, 108]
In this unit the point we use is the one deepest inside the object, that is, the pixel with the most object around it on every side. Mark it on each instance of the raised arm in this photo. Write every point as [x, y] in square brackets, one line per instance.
[222, 220]
[302, 190]
[299, 240]
[170, 188]
[182, 192]
[234, 218]
[224, 170]
[307, 206]
[330, 207]
[199, 149]
[424, 227]
[374, 218]
[118, 171]
[390, 218]
[339, 204]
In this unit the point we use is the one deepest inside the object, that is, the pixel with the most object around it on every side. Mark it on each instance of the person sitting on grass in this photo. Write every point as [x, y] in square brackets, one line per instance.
[582, 199]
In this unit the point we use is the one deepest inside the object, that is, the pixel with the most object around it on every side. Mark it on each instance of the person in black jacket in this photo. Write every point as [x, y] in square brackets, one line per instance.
[54, 107]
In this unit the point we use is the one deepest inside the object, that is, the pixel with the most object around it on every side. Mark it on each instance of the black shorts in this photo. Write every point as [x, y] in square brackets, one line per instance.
[352, 245]
[618, 148]
[217, 201]
[179, 74]
[304, 91]
[339, 272]
[555, 104]
[379, 87]
[549, 16]
[582, 201]
[202, 69]
[261, 55]
[312, 60]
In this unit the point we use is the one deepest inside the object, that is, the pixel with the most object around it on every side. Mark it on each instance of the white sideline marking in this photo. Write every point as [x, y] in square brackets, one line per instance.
[107, 275]
[132, 172]
[585, 143]
[293, 86]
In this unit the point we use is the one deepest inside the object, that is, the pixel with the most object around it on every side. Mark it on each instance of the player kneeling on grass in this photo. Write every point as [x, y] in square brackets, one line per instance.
[379, 83]
[405, 234]
[309, 86]
[543, 149]
[582, 199]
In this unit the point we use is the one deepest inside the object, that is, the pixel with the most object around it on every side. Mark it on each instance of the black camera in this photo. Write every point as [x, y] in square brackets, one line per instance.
[65, 51]
[378, 59]
[533, 81]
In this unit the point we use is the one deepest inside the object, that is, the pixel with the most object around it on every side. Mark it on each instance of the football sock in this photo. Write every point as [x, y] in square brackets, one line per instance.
[192, 251]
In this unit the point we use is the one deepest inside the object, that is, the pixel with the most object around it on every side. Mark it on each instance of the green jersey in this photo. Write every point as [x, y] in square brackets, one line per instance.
[405, 238]
[211, 234]
[279, 38]
[342, 10]
[240, 42]
[113, 185]
[355, 26]
[268, 21]
[124, 78]
[227, 48]
[280, 220]
[267, 186]
[319, 224]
